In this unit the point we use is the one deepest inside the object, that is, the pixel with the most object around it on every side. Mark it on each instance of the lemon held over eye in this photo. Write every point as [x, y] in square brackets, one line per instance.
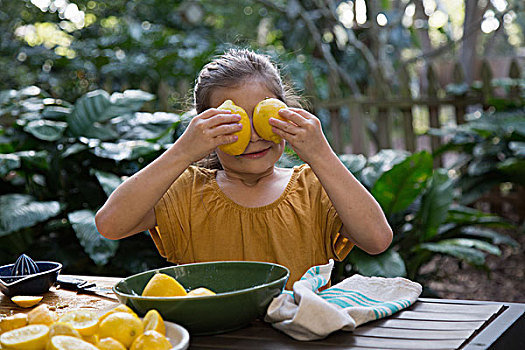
[243, 135]
[266, 109]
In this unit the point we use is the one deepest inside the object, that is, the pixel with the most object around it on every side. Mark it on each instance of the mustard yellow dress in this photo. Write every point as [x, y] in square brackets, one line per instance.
[197, 222]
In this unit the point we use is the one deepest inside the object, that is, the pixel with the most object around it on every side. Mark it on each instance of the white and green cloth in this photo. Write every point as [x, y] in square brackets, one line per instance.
[307, 314]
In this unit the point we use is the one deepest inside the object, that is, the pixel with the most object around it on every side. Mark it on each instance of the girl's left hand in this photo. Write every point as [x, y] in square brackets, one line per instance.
[304, 134]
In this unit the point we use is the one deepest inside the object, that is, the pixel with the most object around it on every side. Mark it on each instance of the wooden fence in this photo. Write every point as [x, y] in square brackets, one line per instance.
[385, 107]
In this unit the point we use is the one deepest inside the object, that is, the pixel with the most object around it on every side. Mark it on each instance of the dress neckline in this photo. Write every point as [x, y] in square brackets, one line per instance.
[287, 189]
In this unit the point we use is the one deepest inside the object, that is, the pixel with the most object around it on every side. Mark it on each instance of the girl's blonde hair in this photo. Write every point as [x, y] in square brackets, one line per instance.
[231, 69]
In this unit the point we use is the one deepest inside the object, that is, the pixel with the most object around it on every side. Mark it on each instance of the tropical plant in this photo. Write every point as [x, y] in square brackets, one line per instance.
[421, 206]
[59, 162]
[490, 149]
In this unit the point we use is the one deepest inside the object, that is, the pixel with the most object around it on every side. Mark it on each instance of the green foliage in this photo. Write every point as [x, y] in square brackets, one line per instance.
[419, 204]
[492, 152]
[59, 163]
[18, 211]
[398, 188]
[387, 264]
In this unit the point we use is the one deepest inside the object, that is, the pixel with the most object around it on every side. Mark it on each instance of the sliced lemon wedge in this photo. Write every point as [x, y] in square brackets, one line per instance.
[26, 300]
[32, 337]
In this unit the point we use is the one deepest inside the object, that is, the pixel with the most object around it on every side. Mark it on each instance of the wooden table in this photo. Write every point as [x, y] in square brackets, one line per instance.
[428, 324]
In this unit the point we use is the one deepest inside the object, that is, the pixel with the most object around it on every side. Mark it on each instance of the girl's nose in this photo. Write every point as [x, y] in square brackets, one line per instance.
[254, 135]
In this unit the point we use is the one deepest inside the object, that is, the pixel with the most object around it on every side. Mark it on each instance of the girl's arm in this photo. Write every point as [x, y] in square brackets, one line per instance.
[129, 209]
[364, 222]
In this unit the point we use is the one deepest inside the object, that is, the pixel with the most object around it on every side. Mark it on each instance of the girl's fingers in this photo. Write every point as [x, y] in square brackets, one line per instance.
[293, 116]
[221, 119]
[225, 139]
[225, 129]
[302, 112]
[286, 130]
[211, 112]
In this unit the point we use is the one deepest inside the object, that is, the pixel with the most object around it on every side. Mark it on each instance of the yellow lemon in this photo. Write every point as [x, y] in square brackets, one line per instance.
[153, 321]
[120, 308]
[110, 344]
[162, 285]
[66, 342]
[200, 292]
[243, 135]
[121, 326]
[41, 315]
[12, 322]
[26, 301]
[84, 321]
[93, 339]
[266, 109]
[32, 337]
[62, 328]
[151, 340]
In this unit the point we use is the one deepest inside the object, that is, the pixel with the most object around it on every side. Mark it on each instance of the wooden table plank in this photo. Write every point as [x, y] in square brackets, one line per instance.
[384, 332]
[428, 325]
[263, 331]
[437, 316]
[339, 340]
[260, 333]
[487, 309]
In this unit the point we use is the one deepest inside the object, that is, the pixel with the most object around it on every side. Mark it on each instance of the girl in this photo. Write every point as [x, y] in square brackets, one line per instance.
[244, 207]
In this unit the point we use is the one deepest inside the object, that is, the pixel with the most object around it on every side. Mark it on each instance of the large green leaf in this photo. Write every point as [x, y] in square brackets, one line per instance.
[125, 150]
[434, 205]
[386, 264]
[397, 188]
[353, 162]
[473, 243]
[93, 107]
[46, 130]
[383, 161]
[468, 216]
[129, 100]
[481, 166]
[8, 162]
[74, 149]
[101, 132]
[108, 181]
[148, 126]
[56, 112]
[97, 106]
[99, 249]
[494, 236]
[471, 255]
[19, 211]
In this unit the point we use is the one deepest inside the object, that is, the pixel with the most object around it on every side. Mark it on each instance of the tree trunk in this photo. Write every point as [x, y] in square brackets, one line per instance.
[471, 28]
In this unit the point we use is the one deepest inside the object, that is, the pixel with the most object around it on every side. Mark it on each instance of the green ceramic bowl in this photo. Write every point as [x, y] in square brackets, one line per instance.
[244, 291]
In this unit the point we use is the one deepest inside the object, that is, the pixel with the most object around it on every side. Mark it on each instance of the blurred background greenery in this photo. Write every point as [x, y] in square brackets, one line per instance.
[91, 91]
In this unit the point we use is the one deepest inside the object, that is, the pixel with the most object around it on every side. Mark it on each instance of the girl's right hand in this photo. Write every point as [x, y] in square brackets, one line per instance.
[207, 131]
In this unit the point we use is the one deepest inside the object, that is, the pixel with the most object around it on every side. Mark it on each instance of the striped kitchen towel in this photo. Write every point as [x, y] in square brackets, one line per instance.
[307, 314]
